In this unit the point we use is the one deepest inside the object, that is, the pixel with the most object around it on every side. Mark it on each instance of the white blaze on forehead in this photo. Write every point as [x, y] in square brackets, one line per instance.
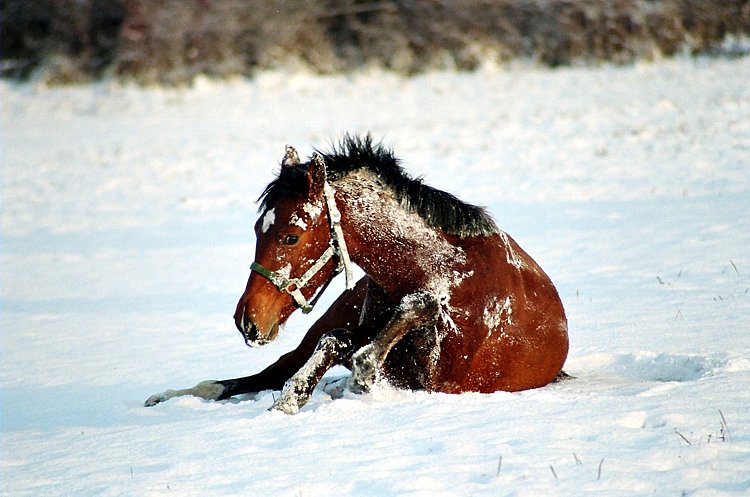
[268, 218]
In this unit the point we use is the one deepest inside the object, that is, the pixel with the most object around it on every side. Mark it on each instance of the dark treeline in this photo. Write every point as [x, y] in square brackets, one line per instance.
[172, 41]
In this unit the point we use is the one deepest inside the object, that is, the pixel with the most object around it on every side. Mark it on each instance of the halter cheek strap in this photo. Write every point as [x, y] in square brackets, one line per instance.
[336, 246]
[337, 235]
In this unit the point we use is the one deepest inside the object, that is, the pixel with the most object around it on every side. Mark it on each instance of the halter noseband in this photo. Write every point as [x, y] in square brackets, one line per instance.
[336, 247]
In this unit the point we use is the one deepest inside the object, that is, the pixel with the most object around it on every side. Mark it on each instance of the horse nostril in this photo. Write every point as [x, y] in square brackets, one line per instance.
[249, 331]
[246, 327]
[253, 335]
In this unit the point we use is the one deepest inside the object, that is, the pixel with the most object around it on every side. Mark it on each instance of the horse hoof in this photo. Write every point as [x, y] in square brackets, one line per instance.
[158, 398]
[207, 390]
[285, 405]
[358, 387]
[364, 372]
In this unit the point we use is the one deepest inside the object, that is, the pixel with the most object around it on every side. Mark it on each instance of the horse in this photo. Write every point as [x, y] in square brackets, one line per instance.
[448, 302]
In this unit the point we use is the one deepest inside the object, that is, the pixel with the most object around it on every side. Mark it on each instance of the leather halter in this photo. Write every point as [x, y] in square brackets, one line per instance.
[336, 247]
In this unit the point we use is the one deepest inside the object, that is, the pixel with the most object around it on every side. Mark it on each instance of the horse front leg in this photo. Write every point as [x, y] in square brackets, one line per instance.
[415, 311]
[208, 390]
[343, 312]
[271, 378]
[335, 347]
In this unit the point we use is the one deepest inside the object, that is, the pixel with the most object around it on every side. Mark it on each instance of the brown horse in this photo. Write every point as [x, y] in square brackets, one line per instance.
[448, 303]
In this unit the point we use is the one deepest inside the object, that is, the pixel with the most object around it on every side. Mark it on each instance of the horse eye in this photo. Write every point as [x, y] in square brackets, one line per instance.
[291, 240]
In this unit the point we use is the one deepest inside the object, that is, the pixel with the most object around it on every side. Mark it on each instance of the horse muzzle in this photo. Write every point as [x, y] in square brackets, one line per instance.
[254, 336]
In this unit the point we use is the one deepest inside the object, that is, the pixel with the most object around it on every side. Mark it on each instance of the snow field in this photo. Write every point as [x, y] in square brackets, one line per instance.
[127, 221]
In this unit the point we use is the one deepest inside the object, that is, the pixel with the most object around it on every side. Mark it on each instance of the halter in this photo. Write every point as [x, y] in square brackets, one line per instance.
[336, 247]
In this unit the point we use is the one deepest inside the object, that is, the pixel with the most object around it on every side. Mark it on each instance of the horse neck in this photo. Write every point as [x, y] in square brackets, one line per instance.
[393, 245]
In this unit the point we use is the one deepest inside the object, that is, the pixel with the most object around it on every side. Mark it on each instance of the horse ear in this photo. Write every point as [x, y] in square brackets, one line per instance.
[316, 175]
[291, 158]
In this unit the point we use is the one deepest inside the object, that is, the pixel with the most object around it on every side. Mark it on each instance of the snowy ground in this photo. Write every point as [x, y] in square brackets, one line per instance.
[126, 241]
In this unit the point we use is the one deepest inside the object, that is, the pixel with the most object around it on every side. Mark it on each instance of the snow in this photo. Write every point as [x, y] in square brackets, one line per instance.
[495, 314]
[431, 253]
[298, 221]
[127, 220]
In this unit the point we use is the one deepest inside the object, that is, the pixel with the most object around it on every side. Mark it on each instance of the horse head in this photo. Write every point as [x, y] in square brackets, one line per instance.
[299, 249]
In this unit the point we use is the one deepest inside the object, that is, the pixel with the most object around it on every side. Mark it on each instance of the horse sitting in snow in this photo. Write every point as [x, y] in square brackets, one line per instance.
[449, 302]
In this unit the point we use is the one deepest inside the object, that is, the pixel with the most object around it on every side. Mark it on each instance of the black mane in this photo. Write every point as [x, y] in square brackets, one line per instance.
[438, 208]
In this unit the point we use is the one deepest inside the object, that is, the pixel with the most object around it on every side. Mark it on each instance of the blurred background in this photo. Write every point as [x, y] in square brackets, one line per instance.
[172, 41]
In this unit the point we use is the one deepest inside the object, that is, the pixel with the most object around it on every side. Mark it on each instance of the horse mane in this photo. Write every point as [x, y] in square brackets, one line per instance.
[439, 209]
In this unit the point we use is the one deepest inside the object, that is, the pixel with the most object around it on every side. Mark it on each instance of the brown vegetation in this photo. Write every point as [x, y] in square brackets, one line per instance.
[172, 41]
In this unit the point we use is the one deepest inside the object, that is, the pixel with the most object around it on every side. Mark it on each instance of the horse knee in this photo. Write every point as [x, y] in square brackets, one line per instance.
[420, 300]
[420, 305]
[338, 343]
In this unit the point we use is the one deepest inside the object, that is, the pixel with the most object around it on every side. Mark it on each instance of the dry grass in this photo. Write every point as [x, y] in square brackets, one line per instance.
[172, 41]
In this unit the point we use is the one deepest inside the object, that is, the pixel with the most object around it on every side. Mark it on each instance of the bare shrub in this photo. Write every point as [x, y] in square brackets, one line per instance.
[172, 41]
[71, 40]
[169, 41]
